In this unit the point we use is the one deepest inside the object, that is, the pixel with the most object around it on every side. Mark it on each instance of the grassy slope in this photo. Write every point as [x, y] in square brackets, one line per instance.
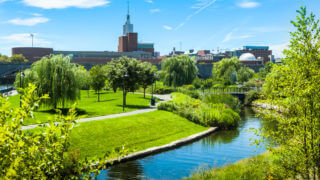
[136, 132]
[258, 167]
[111, 103]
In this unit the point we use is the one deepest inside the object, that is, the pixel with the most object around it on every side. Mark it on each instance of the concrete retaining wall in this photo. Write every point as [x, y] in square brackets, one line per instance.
[159, 149]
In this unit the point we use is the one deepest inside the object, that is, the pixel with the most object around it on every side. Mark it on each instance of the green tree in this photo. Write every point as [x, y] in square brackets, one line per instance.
[297, 92]
[98, 78]
[208, 83]
[18, 58]
[55, 76]
[178, 70]
[124, 71]
[263, 72]
[84, 78]
[244, 74]
[197, 83]
[4, 58]
[41, 154]
[148, 76]
[225, 71]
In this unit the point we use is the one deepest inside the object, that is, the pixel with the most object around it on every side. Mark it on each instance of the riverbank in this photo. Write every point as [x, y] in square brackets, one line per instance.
[138, 132]
[258, 167]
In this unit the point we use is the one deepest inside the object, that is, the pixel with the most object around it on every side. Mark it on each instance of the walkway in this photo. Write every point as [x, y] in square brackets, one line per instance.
[165, 97]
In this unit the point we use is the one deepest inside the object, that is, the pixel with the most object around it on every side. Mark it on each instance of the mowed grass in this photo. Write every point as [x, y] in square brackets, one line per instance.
[110, 103]
[137, 132]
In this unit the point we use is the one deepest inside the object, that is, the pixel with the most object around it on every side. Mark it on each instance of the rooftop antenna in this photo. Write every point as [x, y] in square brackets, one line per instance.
[32, 35]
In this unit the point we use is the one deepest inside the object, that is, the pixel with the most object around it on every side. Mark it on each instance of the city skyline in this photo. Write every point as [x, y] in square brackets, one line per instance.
[97, 24]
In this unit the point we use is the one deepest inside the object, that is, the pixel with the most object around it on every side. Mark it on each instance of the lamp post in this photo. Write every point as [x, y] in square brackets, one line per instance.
[21, 75]
[32, 35]
[124, 89]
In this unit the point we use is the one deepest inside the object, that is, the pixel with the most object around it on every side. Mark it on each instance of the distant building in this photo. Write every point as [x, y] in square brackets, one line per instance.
[250, 59]
[203, 52]
[260, 52]
[174, 52]
[129, 41]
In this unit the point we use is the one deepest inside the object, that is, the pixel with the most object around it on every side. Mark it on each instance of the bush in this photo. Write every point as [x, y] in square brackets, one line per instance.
[227, 99]
[195, 110]
[192, 93]
[252, 96]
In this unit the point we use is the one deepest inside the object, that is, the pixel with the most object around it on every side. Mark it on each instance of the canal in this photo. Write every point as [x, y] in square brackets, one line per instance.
[216, 150]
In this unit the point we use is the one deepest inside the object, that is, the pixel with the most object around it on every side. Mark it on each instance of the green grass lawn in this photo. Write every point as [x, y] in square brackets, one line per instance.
[137, 133]
[110, 103]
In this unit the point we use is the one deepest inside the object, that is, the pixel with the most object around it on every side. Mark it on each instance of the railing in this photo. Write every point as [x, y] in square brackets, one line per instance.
[229, 90]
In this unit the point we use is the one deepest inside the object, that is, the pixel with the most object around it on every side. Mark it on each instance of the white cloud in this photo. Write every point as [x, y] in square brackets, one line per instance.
[230, 36]
[154, 10]
[29, 21]
[277, 49]
[205, 6]
[248, 4]
[149, 1]
[60, 4]
[169, 28]
[24, 40]
[36, 14]
[200, 3]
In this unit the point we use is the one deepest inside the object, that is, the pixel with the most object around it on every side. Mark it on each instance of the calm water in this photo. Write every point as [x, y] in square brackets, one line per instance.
[219, 149]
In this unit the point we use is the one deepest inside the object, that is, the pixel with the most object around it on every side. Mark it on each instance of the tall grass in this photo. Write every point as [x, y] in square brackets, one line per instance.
[227, 99]
[255, 168]
[207, 114]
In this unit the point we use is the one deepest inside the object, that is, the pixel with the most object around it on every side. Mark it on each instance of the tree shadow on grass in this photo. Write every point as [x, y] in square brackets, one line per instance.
[64, 111]
[106, 100]
[135, 106]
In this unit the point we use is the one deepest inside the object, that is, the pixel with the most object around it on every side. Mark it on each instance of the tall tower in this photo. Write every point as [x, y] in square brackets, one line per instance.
[128, 27]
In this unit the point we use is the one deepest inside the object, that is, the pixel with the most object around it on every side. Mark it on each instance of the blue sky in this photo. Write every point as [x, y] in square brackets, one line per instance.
[186, 24]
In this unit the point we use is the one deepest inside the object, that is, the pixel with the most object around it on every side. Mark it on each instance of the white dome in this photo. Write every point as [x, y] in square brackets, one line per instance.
[247, 57]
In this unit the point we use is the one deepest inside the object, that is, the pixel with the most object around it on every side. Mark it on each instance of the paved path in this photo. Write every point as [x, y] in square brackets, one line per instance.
[165, 97]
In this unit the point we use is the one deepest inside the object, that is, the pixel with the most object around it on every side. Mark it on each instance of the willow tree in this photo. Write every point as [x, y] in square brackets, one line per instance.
[225, 71]
[178, 70]
[56, 76]
[294, 86]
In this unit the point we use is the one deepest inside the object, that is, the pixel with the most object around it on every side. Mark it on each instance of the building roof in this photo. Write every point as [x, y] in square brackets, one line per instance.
[256, 47]
[146, 45]
[247, 57]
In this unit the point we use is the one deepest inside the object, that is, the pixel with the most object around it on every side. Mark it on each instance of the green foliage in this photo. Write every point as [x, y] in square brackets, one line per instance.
[227, 99]
[39, 155]
[257, 168]
[297, 80]
[263, 72]
[197, 83]
[17, 58]
[244, 74]
[215, 115]
[225, 71]
[208, 83]
[178, 70]
[55, 76]
[252, 96]
[98, 79]
[4, 58]
[228, 71]
[147, 75]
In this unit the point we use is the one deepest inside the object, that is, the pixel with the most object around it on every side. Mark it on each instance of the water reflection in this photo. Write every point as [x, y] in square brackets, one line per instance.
[216, 150]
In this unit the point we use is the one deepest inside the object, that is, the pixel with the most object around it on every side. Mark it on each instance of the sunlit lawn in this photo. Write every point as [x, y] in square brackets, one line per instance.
[137, 132]
[110, 103]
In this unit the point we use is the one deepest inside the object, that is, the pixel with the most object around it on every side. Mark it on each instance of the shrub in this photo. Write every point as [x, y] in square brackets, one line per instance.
[227, 99]
[207, 114]
[252, 96]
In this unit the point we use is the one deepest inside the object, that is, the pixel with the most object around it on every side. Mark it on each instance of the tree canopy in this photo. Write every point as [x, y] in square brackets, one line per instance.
[98, 78]
[55, 76]
[228, 71]
[178, 70]
[294, 86]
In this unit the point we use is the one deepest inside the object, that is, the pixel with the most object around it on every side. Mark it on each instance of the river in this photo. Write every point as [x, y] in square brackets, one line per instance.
[216, 150]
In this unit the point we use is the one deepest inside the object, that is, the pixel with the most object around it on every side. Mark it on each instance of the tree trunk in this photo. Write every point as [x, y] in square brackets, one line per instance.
[144, 92]
[88, 93]
[98, 96]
